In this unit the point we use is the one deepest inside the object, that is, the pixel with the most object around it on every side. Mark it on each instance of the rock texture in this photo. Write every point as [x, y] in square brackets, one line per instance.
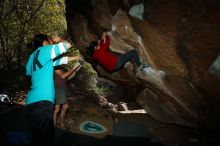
[179, 39]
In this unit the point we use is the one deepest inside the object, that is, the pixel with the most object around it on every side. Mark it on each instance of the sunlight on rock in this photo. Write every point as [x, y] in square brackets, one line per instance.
[152, 75]
[137, 11]
[141, 111]
[113, 28]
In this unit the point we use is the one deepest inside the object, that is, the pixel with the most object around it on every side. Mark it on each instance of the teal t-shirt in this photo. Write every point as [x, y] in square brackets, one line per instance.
[40, 67]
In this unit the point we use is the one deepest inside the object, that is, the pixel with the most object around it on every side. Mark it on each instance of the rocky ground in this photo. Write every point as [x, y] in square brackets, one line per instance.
[83, 107]
[110, 111]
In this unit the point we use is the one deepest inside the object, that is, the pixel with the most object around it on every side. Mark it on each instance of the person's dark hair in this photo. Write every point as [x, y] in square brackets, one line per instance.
[37, 41]
[91, 48]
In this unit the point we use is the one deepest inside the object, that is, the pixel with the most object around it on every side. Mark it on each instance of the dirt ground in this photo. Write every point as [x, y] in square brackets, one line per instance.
[83, 108]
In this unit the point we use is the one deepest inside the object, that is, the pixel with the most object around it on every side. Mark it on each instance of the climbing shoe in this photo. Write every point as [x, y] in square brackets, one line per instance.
[143, 66]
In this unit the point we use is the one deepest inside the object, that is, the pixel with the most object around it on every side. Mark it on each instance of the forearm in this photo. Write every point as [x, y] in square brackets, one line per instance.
[72, 75]
[106, 44]
[67, 74]
[72, 58]
[75, 68]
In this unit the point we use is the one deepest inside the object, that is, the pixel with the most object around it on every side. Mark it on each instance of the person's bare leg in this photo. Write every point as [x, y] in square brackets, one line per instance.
[63, 114]
[55, 113]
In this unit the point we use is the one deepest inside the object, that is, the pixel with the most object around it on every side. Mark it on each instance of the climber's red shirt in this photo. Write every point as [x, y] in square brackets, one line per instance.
[104, 56]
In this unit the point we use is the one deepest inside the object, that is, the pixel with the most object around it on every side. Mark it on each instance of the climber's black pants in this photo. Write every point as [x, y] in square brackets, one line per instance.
[124, 58]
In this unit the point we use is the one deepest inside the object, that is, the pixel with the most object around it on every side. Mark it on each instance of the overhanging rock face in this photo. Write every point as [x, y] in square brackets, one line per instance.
[179, 40]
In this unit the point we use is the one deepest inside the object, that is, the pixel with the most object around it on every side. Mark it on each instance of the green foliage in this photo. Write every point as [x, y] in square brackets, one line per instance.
[50, 18]
[86, 67]
[72, 52]
[85, 79]
[100, 90]
[20, 20]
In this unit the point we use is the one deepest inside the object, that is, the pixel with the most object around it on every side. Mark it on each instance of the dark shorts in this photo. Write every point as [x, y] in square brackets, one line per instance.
[61, 96]
[40, 116]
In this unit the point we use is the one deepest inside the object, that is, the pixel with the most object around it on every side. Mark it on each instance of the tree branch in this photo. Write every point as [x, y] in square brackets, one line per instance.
[33, 14]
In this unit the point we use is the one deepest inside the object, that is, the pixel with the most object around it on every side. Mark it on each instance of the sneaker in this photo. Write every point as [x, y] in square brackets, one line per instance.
[143, 66]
